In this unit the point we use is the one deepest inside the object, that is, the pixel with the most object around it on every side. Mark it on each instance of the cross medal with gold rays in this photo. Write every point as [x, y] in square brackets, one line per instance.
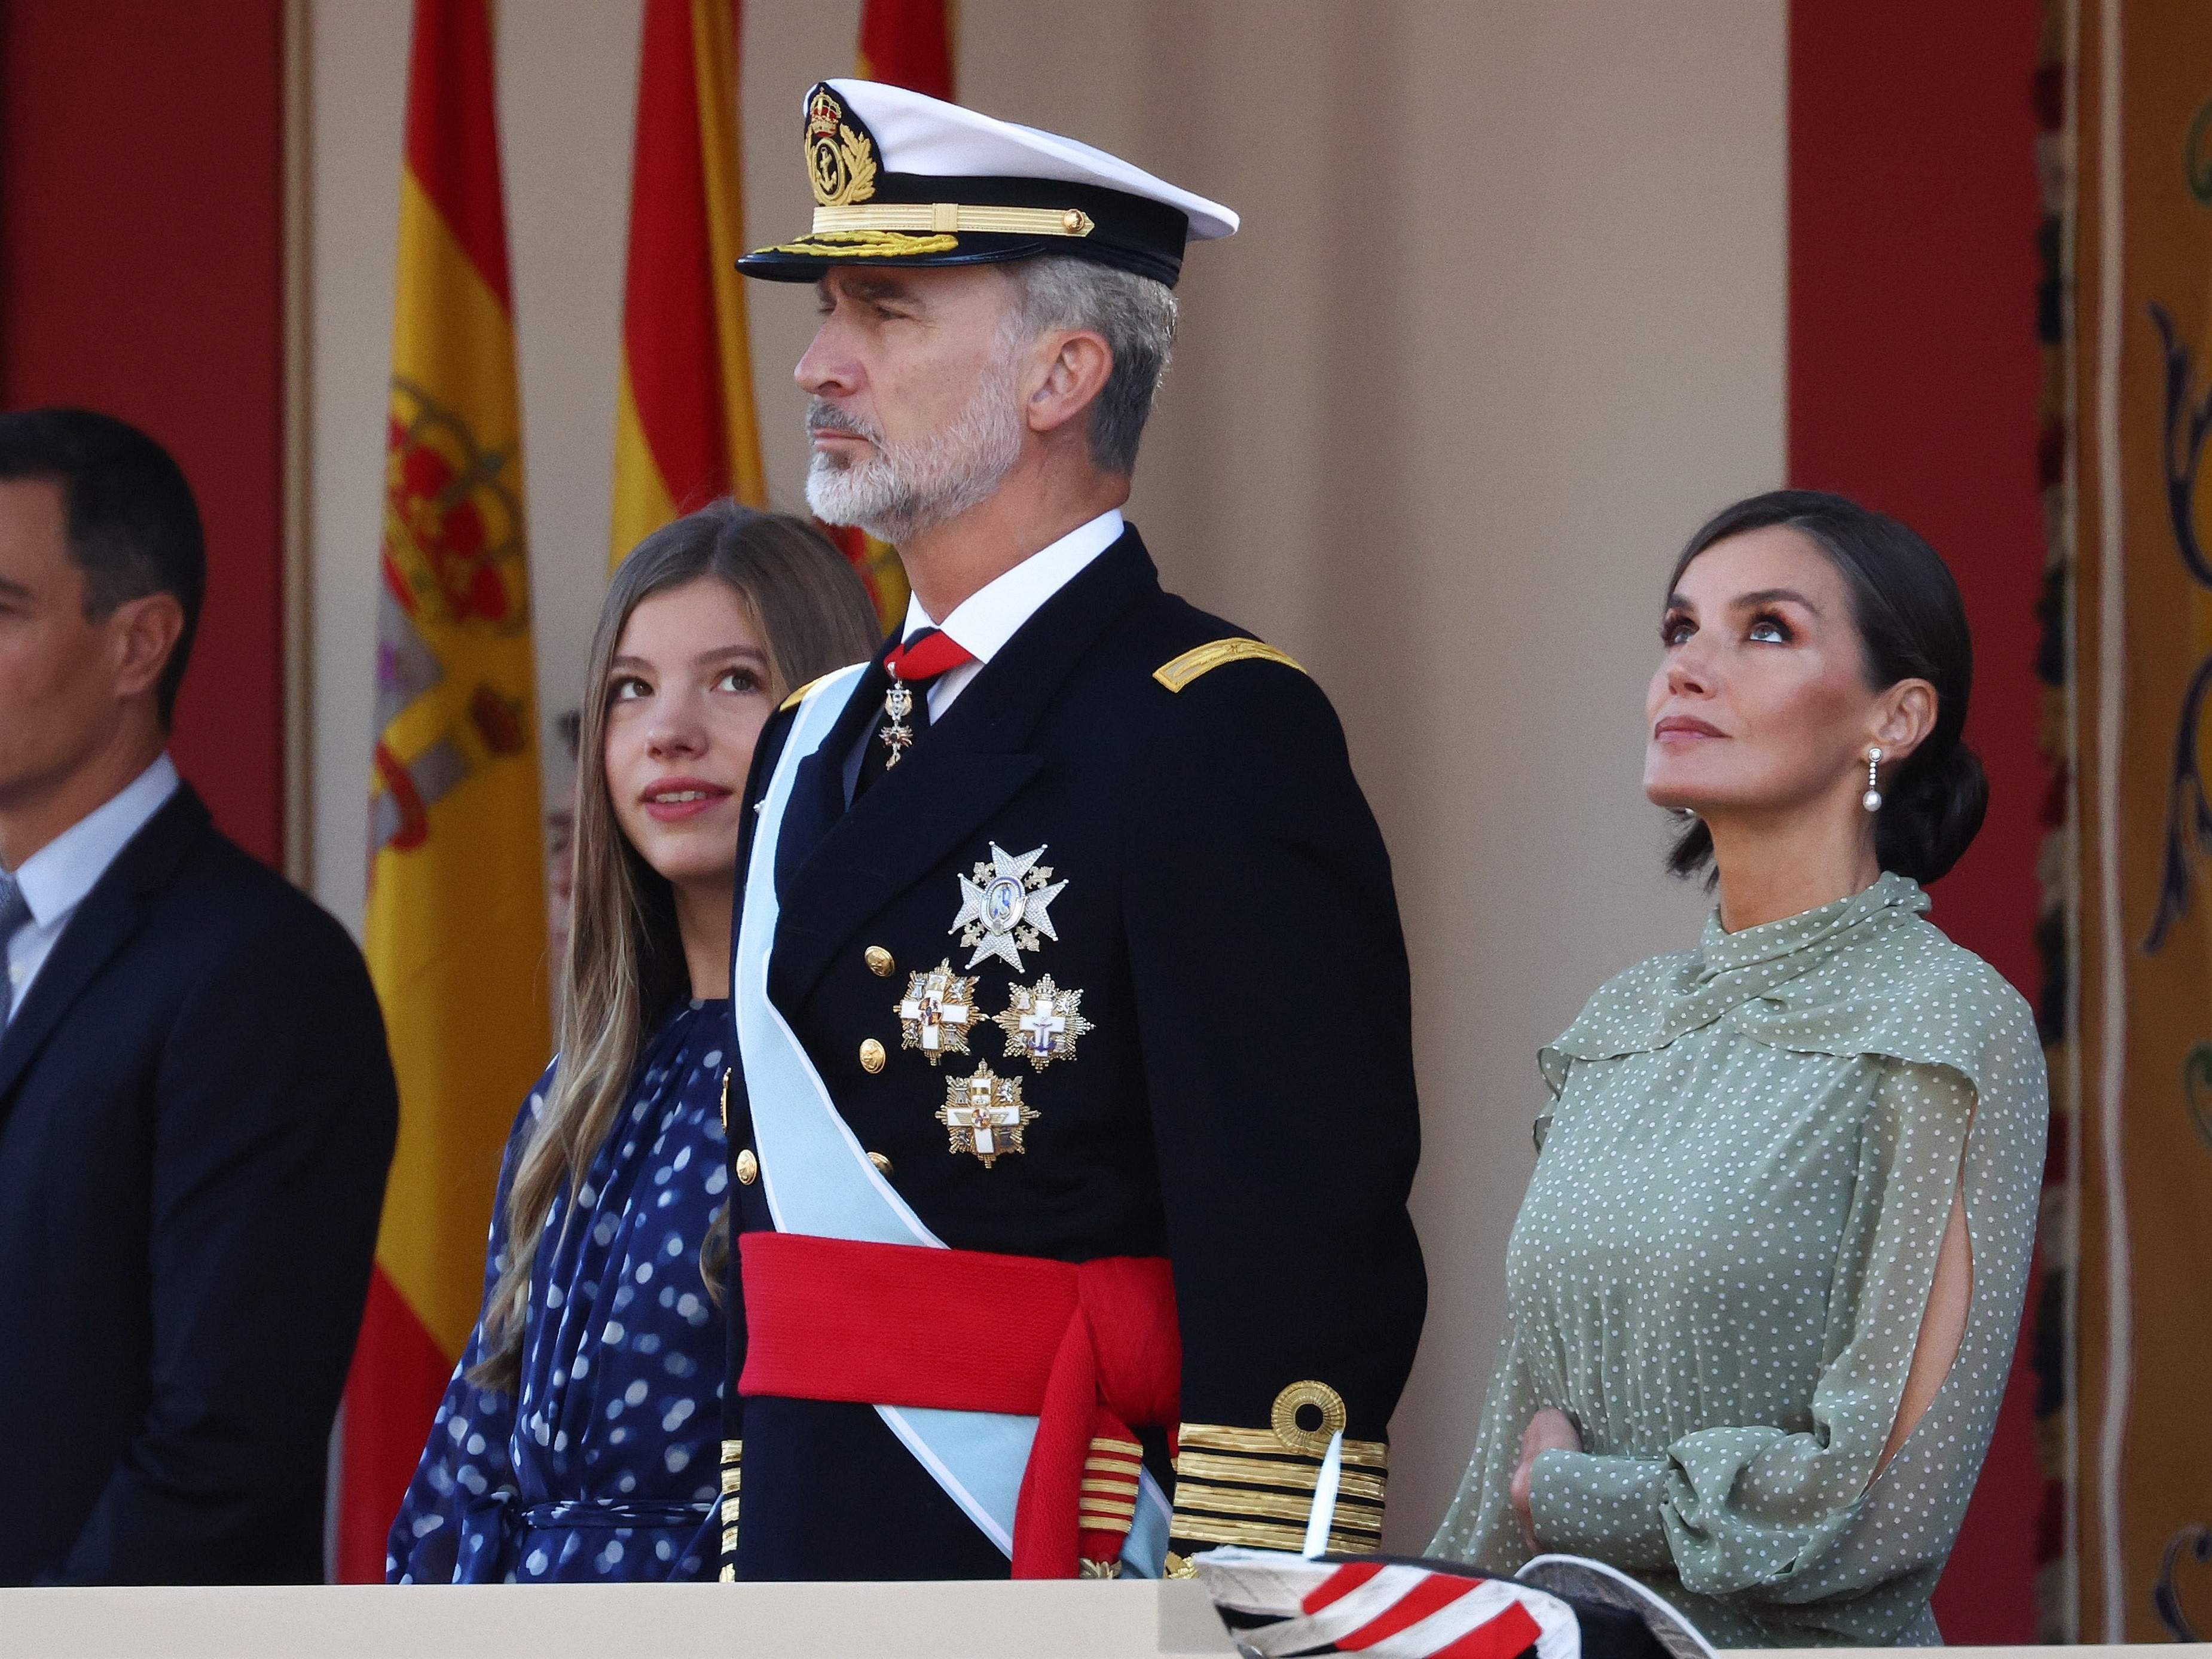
[1041, 1023]
[1007, 908]
[984, 1115]
[935, 1012]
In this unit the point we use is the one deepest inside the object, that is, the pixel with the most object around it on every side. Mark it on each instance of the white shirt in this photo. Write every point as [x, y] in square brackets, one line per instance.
[993, 613]
[55, 879]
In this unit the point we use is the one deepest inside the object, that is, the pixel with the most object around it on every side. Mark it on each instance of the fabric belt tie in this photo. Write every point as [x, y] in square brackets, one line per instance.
[1091, 1349]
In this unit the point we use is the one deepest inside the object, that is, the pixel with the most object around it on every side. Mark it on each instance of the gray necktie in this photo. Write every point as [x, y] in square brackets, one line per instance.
[13, 913]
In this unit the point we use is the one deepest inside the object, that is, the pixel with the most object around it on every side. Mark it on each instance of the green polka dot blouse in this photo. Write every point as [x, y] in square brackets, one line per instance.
[1721, 1266]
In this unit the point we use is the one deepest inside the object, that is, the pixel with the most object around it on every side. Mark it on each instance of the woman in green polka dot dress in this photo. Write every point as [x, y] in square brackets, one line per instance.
[1763, 1293]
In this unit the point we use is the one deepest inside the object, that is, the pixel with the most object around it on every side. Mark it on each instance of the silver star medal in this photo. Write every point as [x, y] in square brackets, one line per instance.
[1007, 908]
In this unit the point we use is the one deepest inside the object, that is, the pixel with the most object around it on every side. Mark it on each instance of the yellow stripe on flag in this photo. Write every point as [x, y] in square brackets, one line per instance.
[714, 60]
[641, 504]
[456, 919]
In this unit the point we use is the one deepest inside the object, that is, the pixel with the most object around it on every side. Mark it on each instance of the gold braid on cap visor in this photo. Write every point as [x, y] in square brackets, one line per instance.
[948, 218]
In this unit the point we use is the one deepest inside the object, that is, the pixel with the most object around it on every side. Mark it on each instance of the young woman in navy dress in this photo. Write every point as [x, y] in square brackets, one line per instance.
[581, 1436]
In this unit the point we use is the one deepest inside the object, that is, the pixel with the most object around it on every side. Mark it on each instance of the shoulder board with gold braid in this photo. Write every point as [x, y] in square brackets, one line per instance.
[799, 695]
[1203, 660]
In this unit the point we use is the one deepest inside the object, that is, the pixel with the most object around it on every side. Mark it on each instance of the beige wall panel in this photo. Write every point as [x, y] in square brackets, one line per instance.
[1506, 319]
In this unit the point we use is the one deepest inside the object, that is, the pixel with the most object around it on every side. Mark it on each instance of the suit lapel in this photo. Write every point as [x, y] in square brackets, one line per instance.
[969, 765]
[100, 926]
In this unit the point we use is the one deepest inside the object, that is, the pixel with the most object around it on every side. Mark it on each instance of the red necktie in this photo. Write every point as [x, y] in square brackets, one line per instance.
[928, 654]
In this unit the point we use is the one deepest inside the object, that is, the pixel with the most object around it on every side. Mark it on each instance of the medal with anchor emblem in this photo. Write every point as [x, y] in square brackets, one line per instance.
[1041, 1023]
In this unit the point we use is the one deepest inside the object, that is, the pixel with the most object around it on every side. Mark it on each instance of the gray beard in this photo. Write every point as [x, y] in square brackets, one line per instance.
[897, 492]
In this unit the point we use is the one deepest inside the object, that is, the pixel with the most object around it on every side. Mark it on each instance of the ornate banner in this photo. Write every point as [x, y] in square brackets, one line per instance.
[2143, 360]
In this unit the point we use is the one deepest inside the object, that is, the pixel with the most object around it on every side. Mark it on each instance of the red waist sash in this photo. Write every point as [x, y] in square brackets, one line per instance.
[1090, 1350]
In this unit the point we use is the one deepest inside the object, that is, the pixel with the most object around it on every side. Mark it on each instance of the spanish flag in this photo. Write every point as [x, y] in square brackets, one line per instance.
[684, 427]
[456, 925]
[903, 43]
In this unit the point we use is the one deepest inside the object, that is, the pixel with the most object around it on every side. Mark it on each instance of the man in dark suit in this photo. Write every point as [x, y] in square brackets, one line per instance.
[197, 1109]
[1075, 1116]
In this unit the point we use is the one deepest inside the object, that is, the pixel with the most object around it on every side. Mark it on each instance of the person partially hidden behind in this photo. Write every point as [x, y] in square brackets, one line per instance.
[577, 1440]
[197, 1109]
[1763, 1292]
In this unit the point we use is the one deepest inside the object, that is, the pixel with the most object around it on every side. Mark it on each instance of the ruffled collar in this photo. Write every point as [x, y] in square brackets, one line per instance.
[1720, 951]
[1657, 1001]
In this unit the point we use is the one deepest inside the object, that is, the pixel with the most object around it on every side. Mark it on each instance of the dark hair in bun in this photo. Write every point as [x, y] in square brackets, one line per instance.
[1911, 625]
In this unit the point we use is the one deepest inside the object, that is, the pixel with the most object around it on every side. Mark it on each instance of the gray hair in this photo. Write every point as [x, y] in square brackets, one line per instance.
[1137, 316]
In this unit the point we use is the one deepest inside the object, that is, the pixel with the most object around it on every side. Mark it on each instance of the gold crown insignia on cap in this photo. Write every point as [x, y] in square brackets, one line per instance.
[841, 153]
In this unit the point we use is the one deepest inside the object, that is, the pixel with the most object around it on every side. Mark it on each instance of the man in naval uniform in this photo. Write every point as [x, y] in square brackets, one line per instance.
[1074, 1119]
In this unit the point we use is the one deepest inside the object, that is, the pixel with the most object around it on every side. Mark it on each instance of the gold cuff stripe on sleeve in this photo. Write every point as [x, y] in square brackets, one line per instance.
[1097, 1508]
[1241, 1500]
[1257, 1535]
[1107, 1445]
[949, 218]
[1268, 1472]
[1112, 1466]
[1116, 1491]
[1204, 660]
[1222, 1437]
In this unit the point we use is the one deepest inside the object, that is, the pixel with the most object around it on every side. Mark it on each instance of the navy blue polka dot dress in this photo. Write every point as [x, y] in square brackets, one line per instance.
[605, 1466]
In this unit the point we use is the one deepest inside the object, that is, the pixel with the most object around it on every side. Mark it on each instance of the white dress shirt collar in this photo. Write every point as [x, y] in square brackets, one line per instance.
[987, 618]
[55, 878]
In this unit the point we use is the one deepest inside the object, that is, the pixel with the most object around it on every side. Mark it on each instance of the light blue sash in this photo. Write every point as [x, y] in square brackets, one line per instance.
[817, 1178]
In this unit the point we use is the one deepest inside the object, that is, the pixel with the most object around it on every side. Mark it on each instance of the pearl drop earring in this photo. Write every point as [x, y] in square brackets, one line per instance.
[1872, 799]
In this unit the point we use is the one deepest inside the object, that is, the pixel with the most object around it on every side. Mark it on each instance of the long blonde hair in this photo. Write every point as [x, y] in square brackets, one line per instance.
[625, 963]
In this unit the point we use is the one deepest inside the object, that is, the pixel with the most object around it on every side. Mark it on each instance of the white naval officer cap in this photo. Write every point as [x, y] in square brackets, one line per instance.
[902, 178]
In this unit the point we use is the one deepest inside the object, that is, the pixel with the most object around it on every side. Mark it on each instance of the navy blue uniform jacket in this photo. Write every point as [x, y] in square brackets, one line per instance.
[197, 1111]
[1244, 1104]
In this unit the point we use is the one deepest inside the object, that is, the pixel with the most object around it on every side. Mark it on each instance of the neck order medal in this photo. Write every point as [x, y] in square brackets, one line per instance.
[896, 735]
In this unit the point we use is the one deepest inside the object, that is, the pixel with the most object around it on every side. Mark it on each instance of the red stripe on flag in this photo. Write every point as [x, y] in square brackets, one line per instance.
[1512, 1631]
[1339, 1584]
[1438, 1589]
[668, 310]
[399, 1373]
[452, 136]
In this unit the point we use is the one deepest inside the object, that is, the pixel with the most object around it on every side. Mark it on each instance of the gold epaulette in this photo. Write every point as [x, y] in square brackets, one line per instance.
[1255, 1486]
[1204, 659]
[799, 695]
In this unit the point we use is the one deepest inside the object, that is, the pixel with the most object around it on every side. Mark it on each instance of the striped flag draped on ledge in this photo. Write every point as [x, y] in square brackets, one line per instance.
[903, 43]
[455, 922]
[684, 427]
